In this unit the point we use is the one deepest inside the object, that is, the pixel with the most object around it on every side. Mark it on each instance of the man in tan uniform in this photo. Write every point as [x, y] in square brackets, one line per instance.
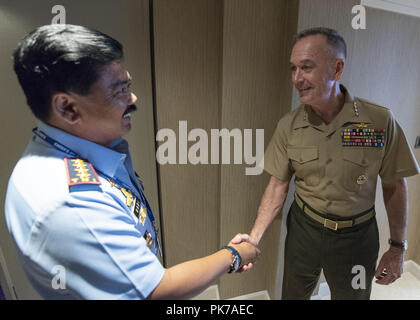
[336, 146]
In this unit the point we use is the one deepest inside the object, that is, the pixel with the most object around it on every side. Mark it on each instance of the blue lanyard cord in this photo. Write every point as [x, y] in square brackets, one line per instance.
[70, 152]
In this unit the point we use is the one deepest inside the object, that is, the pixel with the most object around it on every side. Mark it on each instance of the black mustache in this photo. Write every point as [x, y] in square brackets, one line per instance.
[130, 108]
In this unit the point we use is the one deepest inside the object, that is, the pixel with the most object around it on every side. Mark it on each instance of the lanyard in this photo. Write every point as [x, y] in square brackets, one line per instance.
[54, 143]
[61, 147]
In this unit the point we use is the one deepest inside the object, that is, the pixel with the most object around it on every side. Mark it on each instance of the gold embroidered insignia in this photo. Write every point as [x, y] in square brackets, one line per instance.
[80, 171]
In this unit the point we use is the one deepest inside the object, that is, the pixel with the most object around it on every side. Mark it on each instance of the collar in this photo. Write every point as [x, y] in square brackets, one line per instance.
[352, 112]
[102, 158]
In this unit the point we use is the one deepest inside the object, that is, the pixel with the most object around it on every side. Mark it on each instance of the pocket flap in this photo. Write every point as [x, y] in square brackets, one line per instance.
[355, 156]
[302, 154]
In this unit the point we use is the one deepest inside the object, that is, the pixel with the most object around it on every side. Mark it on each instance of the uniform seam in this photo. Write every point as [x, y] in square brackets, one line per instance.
[38, 218]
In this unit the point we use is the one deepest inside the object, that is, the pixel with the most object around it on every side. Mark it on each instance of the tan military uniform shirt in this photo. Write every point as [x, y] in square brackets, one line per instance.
[335, 169]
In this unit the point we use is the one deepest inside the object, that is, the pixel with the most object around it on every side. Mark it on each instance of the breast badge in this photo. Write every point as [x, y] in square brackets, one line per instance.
[362, 179]
[140, 211]
[143, 215]
[361, 136]
[129, 198]
[149, 239]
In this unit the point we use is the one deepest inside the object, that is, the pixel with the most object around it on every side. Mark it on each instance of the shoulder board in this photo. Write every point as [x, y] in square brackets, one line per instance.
[370, 103]
[80, 171]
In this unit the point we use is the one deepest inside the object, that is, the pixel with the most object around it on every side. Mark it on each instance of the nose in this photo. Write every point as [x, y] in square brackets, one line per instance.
[297, 76]
[133, 98]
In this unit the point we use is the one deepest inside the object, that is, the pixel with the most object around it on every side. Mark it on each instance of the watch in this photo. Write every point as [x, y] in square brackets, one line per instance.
[400, 245]
[237, 259]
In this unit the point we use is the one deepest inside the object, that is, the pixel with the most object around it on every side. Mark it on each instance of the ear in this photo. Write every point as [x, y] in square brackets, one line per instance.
[65, 108]
[339, 68]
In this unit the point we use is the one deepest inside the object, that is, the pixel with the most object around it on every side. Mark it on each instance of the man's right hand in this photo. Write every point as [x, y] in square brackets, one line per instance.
[249, 254]
[245, 242]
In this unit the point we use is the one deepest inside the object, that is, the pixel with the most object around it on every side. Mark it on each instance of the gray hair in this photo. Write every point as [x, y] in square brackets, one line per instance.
[334, 39]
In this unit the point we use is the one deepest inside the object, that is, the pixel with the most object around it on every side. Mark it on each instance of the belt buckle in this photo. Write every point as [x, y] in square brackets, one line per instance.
[333, 225]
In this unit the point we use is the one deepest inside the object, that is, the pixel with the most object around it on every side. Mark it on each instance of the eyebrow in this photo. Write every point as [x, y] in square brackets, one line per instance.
[308, 61]
[120, 83]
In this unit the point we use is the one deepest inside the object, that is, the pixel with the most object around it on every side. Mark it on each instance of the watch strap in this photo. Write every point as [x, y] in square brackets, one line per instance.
[400, 245]
[236, 257]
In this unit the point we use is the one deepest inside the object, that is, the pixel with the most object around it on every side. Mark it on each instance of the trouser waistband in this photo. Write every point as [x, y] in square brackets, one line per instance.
[332, 224]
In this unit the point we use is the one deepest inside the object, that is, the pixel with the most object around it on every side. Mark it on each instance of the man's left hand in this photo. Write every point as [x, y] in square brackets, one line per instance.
[390, 267]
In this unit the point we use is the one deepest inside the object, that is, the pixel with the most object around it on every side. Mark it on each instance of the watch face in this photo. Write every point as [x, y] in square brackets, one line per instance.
[236, 263]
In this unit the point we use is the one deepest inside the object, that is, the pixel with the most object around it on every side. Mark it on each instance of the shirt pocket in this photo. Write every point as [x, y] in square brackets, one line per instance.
[360, 169]
[305, 163]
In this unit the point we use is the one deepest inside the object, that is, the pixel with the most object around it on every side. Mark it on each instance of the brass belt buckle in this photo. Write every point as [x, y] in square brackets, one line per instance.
[333, 225]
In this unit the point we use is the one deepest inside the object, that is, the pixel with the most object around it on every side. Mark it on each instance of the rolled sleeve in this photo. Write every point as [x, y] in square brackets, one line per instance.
[399, 160]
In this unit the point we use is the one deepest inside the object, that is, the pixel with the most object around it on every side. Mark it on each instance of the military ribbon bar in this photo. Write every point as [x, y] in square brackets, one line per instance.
[363, 137]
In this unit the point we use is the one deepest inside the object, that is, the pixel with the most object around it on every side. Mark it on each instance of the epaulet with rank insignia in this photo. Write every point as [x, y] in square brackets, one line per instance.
[80, 172]
[368, 102]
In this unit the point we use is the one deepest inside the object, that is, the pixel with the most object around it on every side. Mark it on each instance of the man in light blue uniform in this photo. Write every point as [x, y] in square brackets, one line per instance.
[105, 239]
[75, 206]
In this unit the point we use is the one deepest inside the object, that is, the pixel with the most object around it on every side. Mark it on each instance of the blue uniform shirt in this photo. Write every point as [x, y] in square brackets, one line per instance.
[85, 237]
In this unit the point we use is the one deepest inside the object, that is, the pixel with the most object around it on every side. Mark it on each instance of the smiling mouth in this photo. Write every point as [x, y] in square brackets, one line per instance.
[127, 113]
[302, 91]
[305, 89]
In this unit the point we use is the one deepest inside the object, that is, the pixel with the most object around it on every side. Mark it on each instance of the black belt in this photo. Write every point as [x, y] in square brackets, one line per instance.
[331, 224]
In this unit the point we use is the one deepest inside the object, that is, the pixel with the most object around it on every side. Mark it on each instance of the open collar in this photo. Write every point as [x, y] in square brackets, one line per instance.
[104, 159]
[352, 112]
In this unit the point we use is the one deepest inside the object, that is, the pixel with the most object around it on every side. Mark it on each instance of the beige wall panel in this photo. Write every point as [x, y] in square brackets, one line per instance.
[127, 21]
[220, 64]
[383, 67]
[187, 64]
[256, 93]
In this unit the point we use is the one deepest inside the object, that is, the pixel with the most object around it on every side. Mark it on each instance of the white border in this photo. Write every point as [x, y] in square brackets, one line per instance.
[408, 7]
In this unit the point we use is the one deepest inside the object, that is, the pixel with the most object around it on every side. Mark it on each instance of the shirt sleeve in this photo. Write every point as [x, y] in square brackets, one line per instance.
[98, 245]
[399, 160]
[276, 161]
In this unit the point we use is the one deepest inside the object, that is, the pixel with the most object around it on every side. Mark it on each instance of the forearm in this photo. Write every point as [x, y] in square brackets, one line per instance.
[396, 204]
[271, 204]
[188, 279]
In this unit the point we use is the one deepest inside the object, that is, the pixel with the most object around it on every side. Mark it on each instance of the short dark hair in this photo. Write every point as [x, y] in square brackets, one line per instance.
[61, 58]
[334, 39]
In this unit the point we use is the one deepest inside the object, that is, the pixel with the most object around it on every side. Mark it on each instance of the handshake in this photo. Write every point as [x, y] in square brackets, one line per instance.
[247, 249]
